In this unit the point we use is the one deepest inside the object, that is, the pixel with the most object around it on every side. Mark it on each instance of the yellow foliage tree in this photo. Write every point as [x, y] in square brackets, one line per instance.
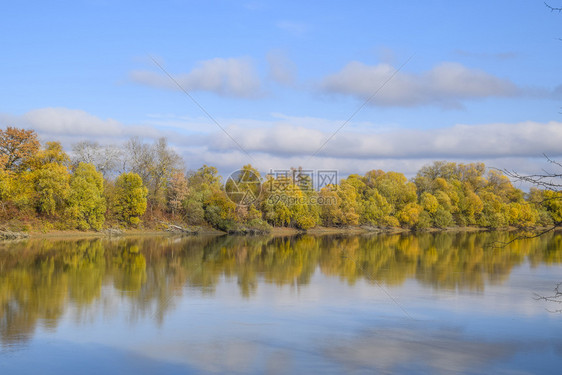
[130, 198]
[86, 202]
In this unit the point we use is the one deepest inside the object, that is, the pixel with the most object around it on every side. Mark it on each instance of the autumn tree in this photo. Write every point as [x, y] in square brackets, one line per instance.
[220, 211]
[130, 198]
[339, 206]
[230, 209]
[176, 191]
[5, 186]
[289, 200]
[51, 183]
[244, 186]
[17, 147]
[399, 193]
[375, 209]
[201, 184]
[370, 205]
[546, 191]
[308, 213]
[53, 152]
[275, 205]
[86, 202]
[466, 195]
[51, 179]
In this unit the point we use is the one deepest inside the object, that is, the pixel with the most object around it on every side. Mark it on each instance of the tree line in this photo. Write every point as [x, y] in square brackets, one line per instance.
[137, 183]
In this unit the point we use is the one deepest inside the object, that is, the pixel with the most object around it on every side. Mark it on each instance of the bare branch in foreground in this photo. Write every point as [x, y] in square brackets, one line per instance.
[500, 244]
[555, 298]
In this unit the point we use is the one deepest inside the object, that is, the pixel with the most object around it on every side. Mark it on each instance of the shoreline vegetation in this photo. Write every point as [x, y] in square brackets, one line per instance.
[139, 188]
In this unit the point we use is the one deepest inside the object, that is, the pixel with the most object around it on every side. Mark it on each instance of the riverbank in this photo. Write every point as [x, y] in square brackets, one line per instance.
[275, 231]
[109, 232]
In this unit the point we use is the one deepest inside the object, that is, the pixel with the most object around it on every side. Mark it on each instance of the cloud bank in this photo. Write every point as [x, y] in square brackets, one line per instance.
[525, 139]
[231, 77]
[445, 85]
[69, 126]
[286, 141]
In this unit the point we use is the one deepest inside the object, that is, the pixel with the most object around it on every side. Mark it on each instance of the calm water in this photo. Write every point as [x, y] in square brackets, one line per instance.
[430, 303]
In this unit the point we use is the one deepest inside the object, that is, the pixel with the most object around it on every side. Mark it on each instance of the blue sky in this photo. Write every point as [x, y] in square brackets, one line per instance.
[479, 81]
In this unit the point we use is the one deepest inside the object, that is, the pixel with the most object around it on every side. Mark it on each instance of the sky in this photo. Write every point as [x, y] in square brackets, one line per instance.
[350, 86]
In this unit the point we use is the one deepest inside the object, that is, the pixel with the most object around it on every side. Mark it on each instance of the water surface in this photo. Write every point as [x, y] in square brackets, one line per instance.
[427, 303]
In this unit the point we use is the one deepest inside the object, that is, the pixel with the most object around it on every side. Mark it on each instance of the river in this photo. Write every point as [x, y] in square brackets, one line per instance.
[405, 303]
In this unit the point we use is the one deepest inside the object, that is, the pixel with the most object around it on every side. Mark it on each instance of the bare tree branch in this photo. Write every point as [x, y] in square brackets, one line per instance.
[552, 161]
[555, 298]
[500, 244]
[552, 9]
[547, 180]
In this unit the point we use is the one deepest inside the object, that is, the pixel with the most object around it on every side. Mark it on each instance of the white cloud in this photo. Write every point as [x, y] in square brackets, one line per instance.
[525, 139]
[69, 126]
[74, 123]
[427, 349]
[445, 85]
[232, 77]
[277, 145]
[67, 121]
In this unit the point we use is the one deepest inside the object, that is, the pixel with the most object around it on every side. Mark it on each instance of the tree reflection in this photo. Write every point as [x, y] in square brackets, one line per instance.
[129, 268]
[40, 279]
